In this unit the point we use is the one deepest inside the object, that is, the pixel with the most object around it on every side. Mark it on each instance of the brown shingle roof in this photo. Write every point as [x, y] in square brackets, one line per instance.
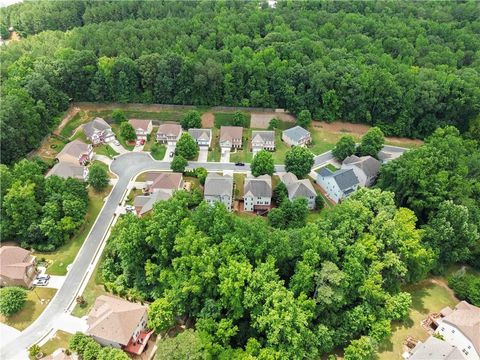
[139, 124]
[466, 318]
[164, 180]
[231, 133]
[114, 319]
[13, 262]
[73, 151]
[170, 129]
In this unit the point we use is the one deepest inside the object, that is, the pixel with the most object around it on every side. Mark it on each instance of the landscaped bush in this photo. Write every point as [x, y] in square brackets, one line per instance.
[12, 300]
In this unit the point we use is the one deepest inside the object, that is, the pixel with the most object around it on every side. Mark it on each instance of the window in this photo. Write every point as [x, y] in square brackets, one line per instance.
[453, 331]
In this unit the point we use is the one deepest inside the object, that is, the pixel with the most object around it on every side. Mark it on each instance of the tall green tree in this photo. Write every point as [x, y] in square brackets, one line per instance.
[299, 160]
[304, 119]
[98, 177]
[12, 300]
[178, 164]
[372, 142]
[186, 147]
[262, 164]
[127, 131]
[345, 147]
[191, 119]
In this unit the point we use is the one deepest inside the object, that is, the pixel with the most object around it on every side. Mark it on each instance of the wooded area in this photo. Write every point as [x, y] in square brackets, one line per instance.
[405, 67]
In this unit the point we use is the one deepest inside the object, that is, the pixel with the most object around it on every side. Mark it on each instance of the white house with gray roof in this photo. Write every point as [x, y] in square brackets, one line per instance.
[98, 131]
[299, 189]
[218, 188]
[257, 193]
[296, 136]
[203, 137]
[263, 140]
[66, 170]
[366, 168]
[434, 349]
[338, 184]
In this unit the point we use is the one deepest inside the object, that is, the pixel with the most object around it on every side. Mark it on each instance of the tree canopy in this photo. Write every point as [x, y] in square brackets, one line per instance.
[186, 147]
[345, 147]
[262, 164]
[299, 160]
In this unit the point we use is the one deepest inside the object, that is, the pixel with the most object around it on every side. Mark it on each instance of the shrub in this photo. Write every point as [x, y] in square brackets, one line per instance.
[12, 300]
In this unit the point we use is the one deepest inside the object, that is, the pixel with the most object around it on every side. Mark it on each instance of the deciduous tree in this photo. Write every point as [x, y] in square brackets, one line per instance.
[262, 163]
[299, 160]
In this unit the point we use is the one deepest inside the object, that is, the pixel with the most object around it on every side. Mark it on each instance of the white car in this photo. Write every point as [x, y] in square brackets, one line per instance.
[40, 282]
[116, 142]
[130, 208]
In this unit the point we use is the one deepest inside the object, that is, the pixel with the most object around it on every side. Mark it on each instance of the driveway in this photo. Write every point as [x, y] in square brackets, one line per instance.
[8, 333]
[55, 282]
[203, 154]
[170, 149]
[118, 148]
[225, 156]
[103, 158]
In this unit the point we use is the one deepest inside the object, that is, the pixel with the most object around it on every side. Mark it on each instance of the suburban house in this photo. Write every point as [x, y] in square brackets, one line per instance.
[338, 184]
[218, 188]
[169, 133]
[142, 128]
[119, 323]
[76, 152]
[231, 137]
[158, 186]
[257, 193]
[263, 140]
[296, 136]
[17, 267]
[66, 170]
[299, 189]
[98, 131]
[203, 137]
[460, 330]
[366, 168]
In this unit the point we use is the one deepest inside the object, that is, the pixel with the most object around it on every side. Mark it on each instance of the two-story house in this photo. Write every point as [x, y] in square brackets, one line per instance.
[17, 267]
[299, 189]
[257, 193]
[296, 136]
[366, 168]
[218, 188]
[231, 137]
[76, 152]
[98, 131]
[169, 133]
[338, 184]
[142, 128]
[263, 140]
[203, 137]
[119, 323]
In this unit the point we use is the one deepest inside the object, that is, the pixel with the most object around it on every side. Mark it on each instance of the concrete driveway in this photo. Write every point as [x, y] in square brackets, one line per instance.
[55, 282]
[203, 154]
[225, 156]
[118, 148]
[170, 149]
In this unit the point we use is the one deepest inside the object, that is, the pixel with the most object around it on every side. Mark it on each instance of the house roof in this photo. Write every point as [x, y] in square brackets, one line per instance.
[97, 124]
[58, 354]
[466, 318]
[345, 178]
[301, 188]
[170, 129]
[296, 133]
[114, 319]
[140, 124]
[66, 170]
[13, 262]
[164, 180]
[73, 151]
[288, 178]
[145, 202]
[201, 134]
[369, 165]
[260, 186]
[218, 185]
[263, 136]
[434, 349]
[229, 133]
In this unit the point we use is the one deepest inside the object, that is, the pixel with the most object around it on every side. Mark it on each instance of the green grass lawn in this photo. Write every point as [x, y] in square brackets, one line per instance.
[123, 142]
[225, 119]
[59, 340]
[79, 135]
[280, 148]
[63, 256]
[322, 141]
[93, 290]
[132, 194]
[74, 122]
[158, 151]
[244, 154]
[214, 153]
[164, 115]
[239, 180]
[427, 297]
[105, 150]
[37, 300]
[151, 139]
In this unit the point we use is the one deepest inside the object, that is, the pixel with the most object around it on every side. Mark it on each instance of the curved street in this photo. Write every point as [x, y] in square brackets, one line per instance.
[126, 167]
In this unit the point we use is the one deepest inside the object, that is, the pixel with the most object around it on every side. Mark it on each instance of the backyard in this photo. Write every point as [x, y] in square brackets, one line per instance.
[63, 256]
[37, 300]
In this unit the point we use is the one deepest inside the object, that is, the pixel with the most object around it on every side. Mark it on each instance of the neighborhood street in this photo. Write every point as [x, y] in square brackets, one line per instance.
[126, 167]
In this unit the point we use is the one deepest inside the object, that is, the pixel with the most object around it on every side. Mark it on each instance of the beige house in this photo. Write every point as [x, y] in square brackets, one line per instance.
[366, 168]
[257, 193]
[218, 188]
[231, 137]
[76, 152]
[17, 267]
[66, 170]
[299, 189]
[119, 323]
[263, 140]
[142, 128]
[169, 133]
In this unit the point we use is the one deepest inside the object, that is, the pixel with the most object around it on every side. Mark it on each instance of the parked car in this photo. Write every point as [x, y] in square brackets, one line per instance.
[40, 282]
[171, 153]
[43, 277]
[130, 208]
[239, 164]
[142, 142]
[116, 142]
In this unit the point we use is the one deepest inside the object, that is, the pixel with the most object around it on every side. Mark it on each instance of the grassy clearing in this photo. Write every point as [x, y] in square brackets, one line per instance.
[158, 151]
[59, 340]
[322, 141]
[280, 148]
[225, 119]
[93, 290]
[105, 150]
[427, 297]
[239, 181]
[37, 300]
[79, 119]
[63, 256]
[163, 115]
[50, 148]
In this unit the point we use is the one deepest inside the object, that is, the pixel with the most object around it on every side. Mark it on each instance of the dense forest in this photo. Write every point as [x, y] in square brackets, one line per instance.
[407, 67]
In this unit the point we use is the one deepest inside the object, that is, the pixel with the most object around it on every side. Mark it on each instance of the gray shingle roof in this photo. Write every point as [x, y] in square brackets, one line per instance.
[345, 178]
[260, 186]
[324, 171]
[65, 170]
[265, 136]
[96, 124]
[146, 202]
[200, 134]
[434, 349]
[369, 165]
[289, 178]
[296, 133]
[218, 185]
[301, 188]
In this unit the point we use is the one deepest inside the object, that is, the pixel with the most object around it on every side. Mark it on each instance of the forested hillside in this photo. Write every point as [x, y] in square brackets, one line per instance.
[406, 67]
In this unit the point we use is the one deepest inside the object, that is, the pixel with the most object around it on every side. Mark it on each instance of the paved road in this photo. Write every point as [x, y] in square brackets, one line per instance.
[126, 166]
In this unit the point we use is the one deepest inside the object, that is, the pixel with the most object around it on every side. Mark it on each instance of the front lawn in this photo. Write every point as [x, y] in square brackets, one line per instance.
[214, 153]
[427, 297]
[63, 256]
[243, 155]
[158, 151]
[239, 181]
[151, 139]
[37, 300]
[131, 196]
[123, 142]
[105, 150]
[61, 339]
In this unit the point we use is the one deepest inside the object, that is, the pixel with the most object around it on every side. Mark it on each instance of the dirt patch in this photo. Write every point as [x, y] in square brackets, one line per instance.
[68, 116]
[208, 120]
[338, 127]
[139, 107]
[261, 120]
